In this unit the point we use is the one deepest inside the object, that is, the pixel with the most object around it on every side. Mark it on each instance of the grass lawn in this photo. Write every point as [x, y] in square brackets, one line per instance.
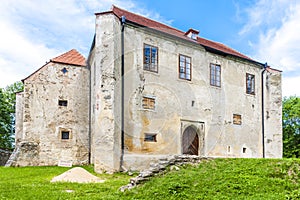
[215, 179]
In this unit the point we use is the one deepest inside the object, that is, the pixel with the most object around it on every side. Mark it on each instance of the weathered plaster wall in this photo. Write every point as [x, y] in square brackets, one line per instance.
[178, 103]
[19, 117]
[273, 114]
[44, 119]
[213, 106]
[106, 93]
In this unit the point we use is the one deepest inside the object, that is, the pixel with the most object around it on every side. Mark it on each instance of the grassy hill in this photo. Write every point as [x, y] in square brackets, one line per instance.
[214, 179]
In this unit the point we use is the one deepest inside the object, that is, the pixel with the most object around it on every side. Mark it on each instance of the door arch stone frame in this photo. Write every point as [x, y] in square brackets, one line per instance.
[199, 127]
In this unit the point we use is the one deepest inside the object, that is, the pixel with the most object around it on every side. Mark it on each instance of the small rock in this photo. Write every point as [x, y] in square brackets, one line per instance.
[130, 173]
[174, 167]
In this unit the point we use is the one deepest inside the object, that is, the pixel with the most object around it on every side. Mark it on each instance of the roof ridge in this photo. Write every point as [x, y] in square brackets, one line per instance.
[150, 23]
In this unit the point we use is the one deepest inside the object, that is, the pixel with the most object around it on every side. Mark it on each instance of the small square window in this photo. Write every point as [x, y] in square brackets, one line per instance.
[62, 102]
[237, 119]
[150, 137]
[148, 103]
[65, 135]
[244, 149]
[64, 70]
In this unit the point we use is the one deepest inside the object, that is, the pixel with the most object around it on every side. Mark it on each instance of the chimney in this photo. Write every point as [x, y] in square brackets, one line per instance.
[192, 33]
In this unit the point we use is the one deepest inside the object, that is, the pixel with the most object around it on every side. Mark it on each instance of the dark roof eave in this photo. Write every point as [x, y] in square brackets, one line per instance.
[65, 63]
[207, 48]
[210, 49]
[216, 51]
[35, 72]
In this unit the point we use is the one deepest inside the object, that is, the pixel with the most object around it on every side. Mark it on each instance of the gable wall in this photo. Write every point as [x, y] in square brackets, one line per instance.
[44, 119]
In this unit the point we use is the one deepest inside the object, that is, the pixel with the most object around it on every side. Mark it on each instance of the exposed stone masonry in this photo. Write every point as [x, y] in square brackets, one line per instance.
[25, 154]
[172, 161]
[4, 156]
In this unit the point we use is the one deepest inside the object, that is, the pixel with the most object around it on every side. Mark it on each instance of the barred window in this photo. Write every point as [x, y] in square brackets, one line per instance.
[150, 58]
[215, 75]
[237, 119]
[148, 103]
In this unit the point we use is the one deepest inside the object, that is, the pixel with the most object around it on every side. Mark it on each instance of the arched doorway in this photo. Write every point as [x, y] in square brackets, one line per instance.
[190, 141]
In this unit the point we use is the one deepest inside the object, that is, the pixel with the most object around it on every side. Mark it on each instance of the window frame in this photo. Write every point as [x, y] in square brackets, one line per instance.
[237, 121]
[185, 67]
[63, 103]
[149, 66]
[62, 135]
[150, 100]
[151, 137]
[252, 84]
[213, 76]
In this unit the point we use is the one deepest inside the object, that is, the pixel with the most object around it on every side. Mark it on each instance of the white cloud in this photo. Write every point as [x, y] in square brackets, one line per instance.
[277, 25]
[32, 31]
[290, 86]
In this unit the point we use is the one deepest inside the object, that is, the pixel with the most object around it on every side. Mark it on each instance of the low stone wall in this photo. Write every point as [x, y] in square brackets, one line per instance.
[4, 156]
[25, 154]
[162, 165]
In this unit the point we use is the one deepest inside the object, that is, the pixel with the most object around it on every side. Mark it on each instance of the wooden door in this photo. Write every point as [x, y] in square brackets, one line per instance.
[190, 141]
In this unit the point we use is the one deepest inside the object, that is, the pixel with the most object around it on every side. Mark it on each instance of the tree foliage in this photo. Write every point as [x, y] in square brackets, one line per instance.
[291, 126]
[7, 114]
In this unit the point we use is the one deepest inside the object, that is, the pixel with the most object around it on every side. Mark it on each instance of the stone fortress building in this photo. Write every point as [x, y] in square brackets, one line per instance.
[146, 91]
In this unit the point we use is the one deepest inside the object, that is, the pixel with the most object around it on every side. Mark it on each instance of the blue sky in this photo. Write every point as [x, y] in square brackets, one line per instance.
[34, 31]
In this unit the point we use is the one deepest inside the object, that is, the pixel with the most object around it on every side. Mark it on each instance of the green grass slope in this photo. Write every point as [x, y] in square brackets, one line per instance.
[214, 179]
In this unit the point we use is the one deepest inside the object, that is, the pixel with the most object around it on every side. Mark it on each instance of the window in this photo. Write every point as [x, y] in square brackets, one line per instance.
[150, 137]
[228, 149]
[65, 135]
[64, 70]
[250, 84]
[62, 102]
[184, 67]
[148, 103]
[150, 58]
[237, 119]
[215, 75]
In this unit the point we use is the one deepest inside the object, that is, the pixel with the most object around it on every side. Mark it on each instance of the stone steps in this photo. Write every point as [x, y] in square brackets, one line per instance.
[160, 166]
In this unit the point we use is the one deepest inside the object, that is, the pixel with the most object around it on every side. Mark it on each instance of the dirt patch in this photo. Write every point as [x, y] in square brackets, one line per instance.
[77, 175]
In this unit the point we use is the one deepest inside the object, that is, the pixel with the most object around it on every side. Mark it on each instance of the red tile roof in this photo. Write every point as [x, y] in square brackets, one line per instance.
[71, 57]
[143, 21]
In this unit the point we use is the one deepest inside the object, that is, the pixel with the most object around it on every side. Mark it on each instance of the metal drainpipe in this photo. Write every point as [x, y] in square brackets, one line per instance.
[123, 19]
[90, 113]
[263, 109]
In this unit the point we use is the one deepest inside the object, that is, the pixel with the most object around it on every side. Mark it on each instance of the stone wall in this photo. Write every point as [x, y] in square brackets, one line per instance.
[24, 154]
[4, 156]
[179, 103]
[182, 103]
[54, 102]
[273, 114]
[105, 65]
